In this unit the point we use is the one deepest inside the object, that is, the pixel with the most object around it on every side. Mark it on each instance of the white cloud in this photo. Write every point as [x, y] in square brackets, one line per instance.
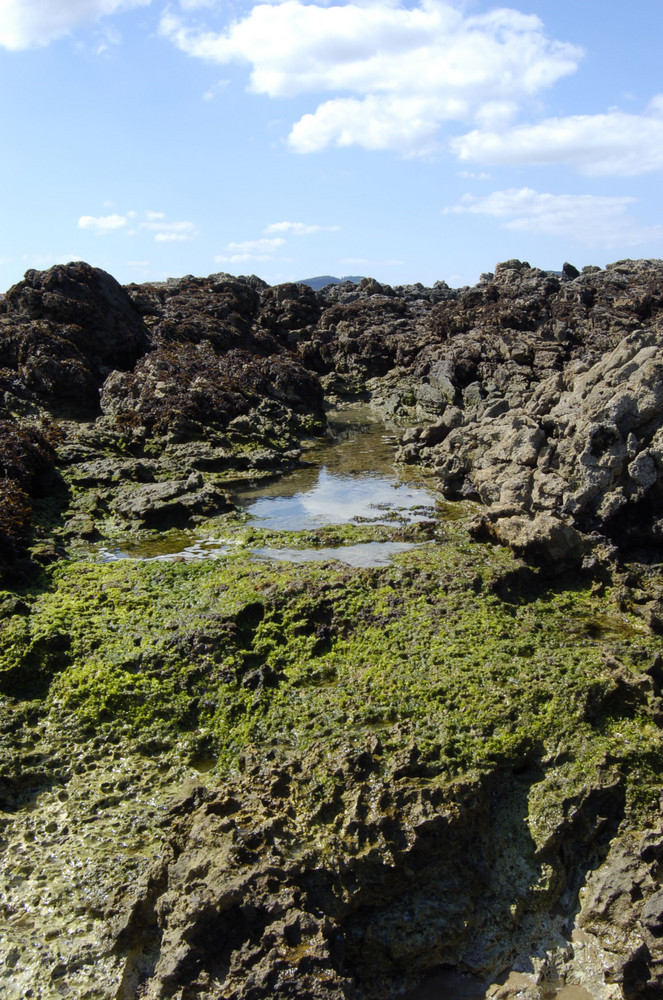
[215, 90]
[593, 220]
[102, 224]
[598, 145]
[153, 222]
[299, 228]
[172, 237]
[105, 38]
[168, 232]
[25, 24]
[256, 246]
[262, 249]
[377, 122]
[407, 70]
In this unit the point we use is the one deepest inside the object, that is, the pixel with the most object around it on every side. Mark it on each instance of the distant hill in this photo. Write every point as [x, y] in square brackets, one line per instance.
[328, 279]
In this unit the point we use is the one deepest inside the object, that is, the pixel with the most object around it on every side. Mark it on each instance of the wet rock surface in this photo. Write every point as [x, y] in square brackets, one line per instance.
[247, 780]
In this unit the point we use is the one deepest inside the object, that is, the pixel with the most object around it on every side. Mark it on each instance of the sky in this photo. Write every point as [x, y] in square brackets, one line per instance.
[408, 141]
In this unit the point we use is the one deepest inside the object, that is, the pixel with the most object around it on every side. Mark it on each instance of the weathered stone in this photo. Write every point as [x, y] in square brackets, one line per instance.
[164, 505]
[545, 539]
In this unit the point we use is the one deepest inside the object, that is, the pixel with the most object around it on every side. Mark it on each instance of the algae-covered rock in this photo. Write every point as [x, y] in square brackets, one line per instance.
[224, 776]
[409, 771]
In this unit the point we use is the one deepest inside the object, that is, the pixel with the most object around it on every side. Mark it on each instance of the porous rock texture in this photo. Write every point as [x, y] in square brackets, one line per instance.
[549, 396]
[538, 396]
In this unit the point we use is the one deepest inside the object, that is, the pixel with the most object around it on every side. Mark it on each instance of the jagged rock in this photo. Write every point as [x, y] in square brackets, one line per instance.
[27, 471]
[186, 391]
[574, 423]
[623, 908]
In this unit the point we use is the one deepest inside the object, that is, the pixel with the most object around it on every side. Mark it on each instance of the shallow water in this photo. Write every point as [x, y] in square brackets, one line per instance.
[340, 499]
[173, 546]
[450, 985]
[351, 479]
[364, 554]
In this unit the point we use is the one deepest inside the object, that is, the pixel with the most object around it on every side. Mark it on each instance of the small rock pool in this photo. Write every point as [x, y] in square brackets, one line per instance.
[350, 479]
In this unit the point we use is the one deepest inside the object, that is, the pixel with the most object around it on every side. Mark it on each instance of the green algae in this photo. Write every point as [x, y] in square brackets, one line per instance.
[229, 654]
[458, 673]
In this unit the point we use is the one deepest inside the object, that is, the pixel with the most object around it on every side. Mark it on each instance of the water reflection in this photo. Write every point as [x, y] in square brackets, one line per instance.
[337, 499]
[350, 478]
[362, 555]
[165, 550]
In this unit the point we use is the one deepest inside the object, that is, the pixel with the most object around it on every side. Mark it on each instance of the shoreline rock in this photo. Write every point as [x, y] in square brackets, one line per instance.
[453, 761]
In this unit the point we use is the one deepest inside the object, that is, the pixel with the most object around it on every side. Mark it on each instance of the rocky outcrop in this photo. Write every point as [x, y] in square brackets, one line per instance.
[197, 371]
[623, 907]
[63, 330]
[448, 762]
[371, 890]
[584, 443]
[192, 391]
[552, 402]
[27, 471]
[536, 394]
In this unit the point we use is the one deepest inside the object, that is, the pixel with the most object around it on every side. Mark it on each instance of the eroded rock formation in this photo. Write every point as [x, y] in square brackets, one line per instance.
[453, 762]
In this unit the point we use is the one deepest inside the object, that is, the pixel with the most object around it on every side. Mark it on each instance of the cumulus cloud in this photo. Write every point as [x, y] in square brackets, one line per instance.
[152, 222]
[245, 250]
[167, 232]
[26, 24]
[593, 220]
[377, 122]
[299, 228]
[598, 145]
[196, 4]
[406, 70]
[102, 224]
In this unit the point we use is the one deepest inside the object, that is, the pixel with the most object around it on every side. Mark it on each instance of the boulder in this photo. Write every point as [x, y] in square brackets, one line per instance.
[64, 329]
[545, 539]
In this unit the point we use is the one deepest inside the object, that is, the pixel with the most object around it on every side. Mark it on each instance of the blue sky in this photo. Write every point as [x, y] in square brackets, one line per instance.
[408, 141]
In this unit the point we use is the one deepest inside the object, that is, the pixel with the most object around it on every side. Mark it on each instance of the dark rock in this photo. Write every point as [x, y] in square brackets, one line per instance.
[622, 906]
[184, 391]
[27, 471]
[66, 328]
